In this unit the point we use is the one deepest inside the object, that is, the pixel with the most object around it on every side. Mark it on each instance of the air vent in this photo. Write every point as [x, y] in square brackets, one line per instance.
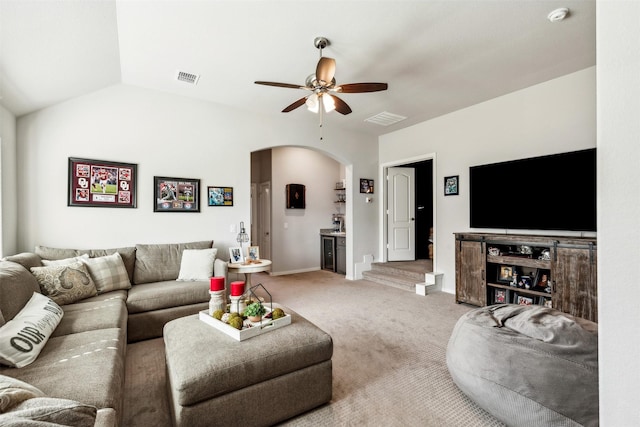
[188, 77]
[385, 119]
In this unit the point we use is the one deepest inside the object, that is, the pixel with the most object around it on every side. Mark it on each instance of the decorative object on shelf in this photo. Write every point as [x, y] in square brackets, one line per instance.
[545, 255]
[526, 250]
[506, 273]
[237, 297]
[101, 183]
[366, 185]
[243, 237]
[235, 255]
[220, 196]
[295, 196]
[451, 185]
[255, 311]
[494, 251]
[253, 253]
[176, 194]
[340, 185]
[217, 301]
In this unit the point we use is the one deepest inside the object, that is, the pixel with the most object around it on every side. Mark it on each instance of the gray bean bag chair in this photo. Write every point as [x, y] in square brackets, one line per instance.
[527, 365]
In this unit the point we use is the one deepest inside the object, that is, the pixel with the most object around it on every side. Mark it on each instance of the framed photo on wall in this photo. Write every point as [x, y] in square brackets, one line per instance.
[366, 185]
[451, 185]
[220, 196]
[101, 183]
[176, 194]
[295, 196]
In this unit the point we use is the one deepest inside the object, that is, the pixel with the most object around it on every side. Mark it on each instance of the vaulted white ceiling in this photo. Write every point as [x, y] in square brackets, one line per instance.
[436, 56]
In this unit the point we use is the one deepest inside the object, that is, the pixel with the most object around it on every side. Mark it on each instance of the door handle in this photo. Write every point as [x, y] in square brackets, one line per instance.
[413, 219]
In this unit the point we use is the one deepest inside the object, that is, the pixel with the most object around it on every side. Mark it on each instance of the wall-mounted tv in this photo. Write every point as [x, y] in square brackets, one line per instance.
[555, 192]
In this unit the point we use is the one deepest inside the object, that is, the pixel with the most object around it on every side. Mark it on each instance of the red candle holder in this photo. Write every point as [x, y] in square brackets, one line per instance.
[237, 289]
[217, 283]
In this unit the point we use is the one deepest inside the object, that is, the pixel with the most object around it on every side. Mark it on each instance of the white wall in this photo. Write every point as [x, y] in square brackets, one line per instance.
[9, 201]
[552, 117]
[618, 211]
[296, 245]
[165, 135]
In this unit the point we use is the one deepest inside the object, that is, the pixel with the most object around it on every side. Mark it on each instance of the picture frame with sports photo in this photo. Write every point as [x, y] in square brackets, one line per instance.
[101, 183]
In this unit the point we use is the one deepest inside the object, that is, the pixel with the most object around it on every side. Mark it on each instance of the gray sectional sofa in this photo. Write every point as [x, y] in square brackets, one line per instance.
[84, 358]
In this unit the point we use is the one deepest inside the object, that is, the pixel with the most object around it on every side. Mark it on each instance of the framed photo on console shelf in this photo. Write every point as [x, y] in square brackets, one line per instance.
[506, 273]
[500, 296]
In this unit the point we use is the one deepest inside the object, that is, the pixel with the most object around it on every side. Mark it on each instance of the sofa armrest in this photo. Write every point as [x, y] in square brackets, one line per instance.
[221, 269]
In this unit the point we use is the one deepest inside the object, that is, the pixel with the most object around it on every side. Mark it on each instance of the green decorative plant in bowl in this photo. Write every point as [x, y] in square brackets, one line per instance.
[255, 311]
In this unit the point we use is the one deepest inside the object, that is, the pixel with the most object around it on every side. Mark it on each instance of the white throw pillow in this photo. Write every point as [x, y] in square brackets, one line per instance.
[65, 261]
[197, 264]
[23, 338]
[108, 273]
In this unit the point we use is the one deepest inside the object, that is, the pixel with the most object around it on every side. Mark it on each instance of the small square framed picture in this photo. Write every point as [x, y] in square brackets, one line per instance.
[500, 296]
[451, 185]
[235, 255]
[522, 300]
[253, 253]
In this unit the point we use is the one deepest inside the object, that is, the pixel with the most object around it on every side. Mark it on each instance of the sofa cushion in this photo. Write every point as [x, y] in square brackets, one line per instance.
[159, 295]
[197, 264]
[23, 338]
[95, 358]
[65, 284]
[47, 411]
[14, 392]
[89, 316]
[160, 262]
[64, 261]
[17, 286]
[108, 273]
[25, 259]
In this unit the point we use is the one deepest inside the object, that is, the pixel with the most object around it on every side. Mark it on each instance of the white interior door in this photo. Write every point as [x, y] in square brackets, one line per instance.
[254, 215]
[401, 224]
[264, 220]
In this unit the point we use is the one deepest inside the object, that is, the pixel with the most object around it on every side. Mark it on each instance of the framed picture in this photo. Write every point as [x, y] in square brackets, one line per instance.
[542, 280]
[235, 255]
[506, 273]
[522, 300]
[253, 253]
[220, 196]
[295, 196]
[176, 194]
[500, 296]
[366, 185]
[102, 183]
[451, 185]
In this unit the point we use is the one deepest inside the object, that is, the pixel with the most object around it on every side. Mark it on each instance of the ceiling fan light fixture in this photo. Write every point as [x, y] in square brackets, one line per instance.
[328, 103]
[312, 103]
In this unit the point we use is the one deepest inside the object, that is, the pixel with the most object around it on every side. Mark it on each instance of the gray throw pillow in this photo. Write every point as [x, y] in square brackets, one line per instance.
[51, 410]
[65, 284]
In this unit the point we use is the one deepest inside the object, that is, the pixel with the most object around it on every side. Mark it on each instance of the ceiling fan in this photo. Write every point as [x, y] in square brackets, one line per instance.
[323, 86]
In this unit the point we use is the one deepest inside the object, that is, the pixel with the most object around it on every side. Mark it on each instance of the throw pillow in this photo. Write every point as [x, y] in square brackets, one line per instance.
[197, 264]
[108, 273]
[65, 261]
[48, 411]
[65, 284]
[23, 338]
[14, 392]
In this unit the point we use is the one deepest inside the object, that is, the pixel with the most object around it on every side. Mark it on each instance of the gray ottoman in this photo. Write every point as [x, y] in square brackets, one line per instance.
[215, 380]
[527, 365]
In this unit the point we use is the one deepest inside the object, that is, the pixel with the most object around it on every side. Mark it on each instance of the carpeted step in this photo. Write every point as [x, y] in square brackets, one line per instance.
[395, 280]
[398, 269]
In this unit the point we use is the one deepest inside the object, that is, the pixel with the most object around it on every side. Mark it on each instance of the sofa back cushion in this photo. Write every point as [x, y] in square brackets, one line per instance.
[26, 259]
[161, 262]
[17, 285]
[128, 255]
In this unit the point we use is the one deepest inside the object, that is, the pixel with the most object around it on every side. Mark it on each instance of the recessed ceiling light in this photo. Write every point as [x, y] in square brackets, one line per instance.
[558, 14]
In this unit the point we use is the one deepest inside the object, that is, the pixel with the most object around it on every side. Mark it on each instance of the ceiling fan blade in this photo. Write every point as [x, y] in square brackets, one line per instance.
[295, 105]
[362, 87]
[325, 70]
[288, 85]
[341, 106]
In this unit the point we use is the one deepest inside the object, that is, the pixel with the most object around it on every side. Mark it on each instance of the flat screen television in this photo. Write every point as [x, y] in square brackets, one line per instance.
[555, 192]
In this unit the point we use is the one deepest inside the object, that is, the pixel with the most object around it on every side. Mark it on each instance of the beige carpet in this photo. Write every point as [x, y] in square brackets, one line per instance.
[388, 364]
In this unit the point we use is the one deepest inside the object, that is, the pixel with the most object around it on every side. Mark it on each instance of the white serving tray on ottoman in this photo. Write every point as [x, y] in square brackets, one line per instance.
[250, 329]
